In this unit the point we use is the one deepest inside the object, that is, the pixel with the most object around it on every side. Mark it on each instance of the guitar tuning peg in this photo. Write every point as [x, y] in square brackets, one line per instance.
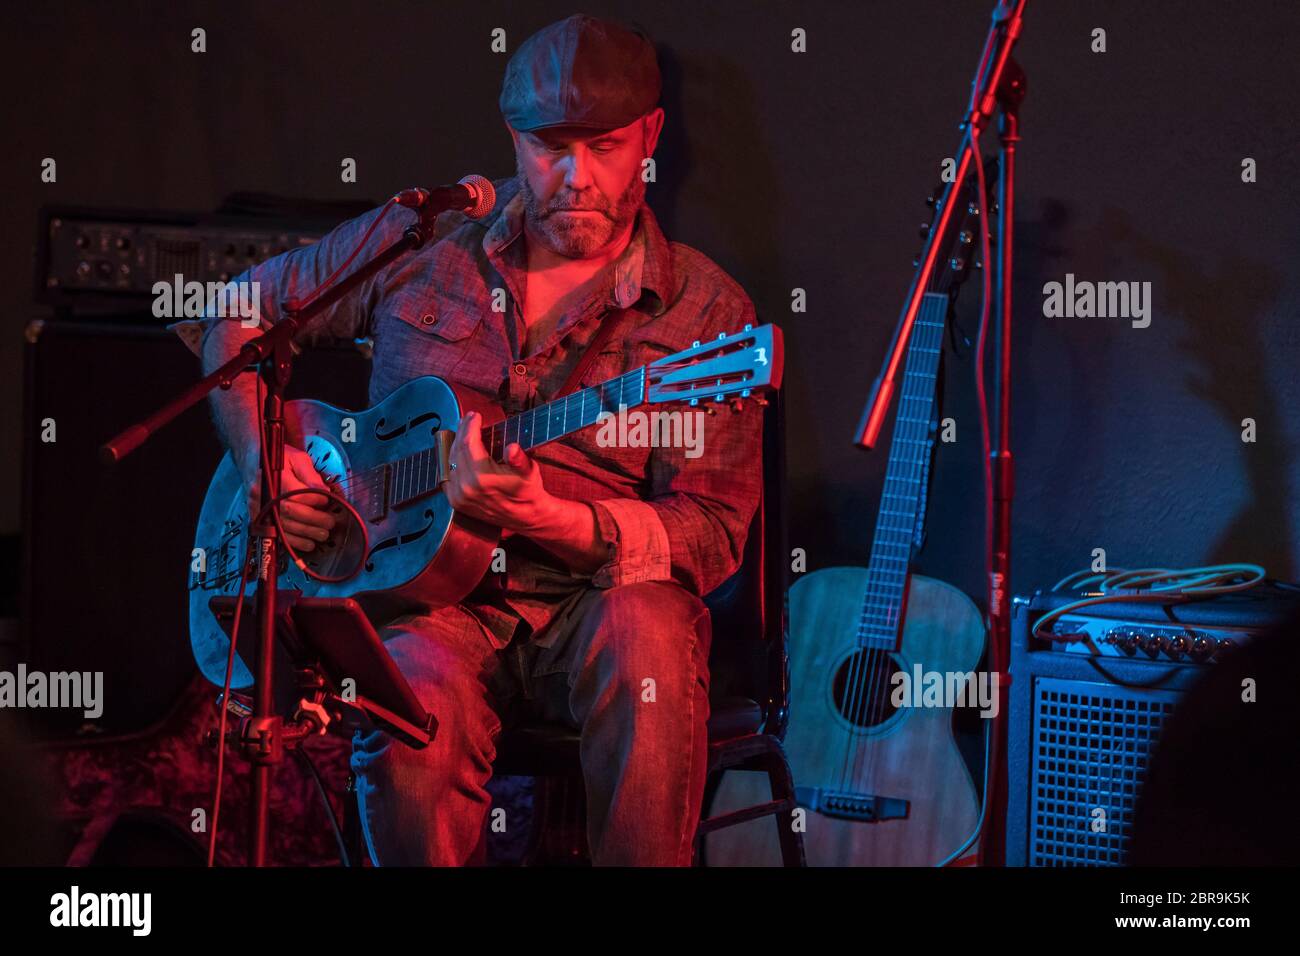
[759, 400]
[709, 410]
[737, 405]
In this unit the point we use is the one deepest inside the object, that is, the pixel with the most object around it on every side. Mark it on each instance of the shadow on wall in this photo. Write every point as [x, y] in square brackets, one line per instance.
[673, 155]
[1227, 344]
[847, 505]
[724, 103]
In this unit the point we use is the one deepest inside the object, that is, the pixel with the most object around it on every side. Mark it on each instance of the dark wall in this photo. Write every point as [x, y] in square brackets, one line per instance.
[797, 170]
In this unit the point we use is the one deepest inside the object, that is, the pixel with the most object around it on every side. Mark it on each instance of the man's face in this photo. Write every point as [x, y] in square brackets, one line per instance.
[581, 189]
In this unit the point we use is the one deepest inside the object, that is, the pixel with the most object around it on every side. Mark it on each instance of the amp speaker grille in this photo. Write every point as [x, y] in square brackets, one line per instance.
[1091, 746]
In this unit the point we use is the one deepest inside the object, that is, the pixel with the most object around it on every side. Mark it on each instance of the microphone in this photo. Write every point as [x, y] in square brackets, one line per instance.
[473, 195]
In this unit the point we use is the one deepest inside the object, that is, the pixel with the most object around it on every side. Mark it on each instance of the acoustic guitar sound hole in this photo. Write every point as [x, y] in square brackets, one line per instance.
[863, 686]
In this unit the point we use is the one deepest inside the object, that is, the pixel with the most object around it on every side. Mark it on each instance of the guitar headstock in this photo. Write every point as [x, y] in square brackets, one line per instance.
[963, 256]
[729, 368]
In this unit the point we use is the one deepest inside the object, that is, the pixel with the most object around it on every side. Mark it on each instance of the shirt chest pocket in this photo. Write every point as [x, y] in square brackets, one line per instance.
[430, 333]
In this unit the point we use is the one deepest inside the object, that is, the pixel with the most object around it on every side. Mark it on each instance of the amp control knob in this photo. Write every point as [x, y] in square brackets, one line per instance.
[1123, 638]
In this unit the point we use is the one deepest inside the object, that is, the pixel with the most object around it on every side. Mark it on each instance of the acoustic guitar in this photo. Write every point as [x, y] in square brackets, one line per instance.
[390, 462]
[879, 784]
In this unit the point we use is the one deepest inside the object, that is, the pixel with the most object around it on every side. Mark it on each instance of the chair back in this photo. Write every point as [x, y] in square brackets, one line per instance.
[748, 610]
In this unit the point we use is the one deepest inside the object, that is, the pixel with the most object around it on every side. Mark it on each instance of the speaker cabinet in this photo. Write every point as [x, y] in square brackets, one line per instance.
[106, 549]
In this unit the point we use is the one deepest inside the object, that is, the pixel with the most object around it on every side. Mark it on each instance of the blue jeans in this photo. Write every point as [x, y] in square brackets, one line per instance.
[627, 667]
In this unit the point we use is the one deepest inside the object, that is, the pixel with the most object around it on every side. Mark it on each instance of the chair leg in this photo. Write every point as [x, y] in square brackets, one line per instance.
[763, 754]
[711, 784]
[353, 838]
[559, 835]
[781, 782]
[533, 854]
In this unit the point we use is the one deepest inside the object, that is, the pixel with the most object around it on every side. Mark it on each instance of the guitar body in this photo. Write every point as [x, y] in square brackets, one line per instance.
[419, 554]
[907, 753]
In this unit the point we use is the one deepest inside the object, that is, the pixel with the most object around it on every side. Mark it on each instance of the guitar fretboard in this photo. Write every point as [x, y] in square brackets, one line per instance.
[565, 415]
[416, 475]
[901, 499]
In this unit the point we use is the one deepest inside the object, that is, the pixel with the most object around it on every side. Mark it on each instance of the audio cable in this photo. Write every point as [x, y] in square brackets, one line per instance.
[1148, 586]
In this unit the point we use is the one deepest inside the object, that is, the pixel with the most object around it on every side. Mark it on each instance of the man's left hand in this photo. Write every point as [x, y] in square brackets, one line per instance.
[509, 495]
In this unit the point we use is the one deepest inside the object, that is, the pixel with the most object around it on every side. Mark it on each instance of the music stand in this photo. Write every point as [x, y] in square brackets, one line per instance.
[328, 642]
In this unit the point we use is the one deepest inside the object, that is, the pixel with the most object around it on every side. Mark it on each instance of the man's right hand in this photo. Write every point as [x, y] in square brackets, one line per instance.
[307, 519]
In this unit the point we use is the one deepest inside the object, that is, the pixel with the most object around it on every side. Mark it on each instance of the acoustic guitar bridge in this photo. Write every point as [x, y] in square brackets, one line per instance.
[846, 805]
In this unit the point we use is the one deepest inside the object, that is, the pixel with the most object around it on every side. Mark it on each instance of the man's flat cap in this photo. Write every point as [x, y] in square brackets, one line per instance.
[581, 71]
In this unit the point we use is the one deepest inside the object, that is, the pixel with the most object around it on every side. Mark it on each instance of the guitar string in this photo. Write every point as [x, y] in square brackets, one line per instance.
[911, 431]
[896, 591]
[872, 600]
[916, 431]
[941, 284]
[372, 479]
[866, 671]
[857, 668]
[926, 397]
[375, 474]
[869, 670]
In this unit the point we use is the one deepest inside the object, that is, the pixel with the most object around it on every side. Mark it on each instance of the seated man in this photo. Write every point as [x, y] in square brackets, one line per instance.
[597, 620]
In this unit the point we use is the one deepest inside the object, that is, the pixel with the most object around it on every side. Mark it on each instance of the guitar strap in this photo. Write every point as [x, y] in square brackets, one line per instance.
[593, 349]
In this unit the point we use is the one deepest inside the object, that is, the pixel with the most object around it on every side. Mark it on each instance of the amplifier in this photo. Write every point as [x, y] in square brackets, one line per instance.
[1085, 715]
[105, 258]
[107, 549]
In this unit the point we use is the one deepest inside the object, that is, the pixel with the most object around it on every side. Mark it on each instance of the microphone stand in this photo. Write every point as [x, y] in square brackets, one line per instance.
[263, 737]
[999, 81]
[1011, 92]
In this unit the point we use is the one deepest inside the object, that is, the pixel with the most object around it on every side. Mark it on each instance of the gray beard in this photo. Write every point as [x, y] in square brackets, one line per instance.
[579, 237]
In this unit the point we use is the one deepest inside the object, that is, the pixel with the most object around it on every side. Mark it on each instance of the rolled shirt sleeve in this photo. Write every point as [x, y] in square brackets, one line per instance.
[639, 549]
